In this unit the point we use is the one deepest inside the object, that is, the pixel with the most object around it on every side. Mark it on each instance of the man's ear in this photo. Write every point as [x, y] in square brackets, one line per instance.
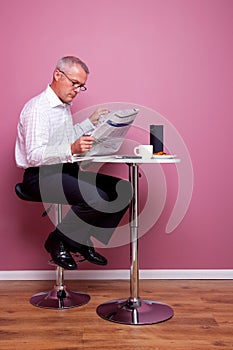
[56, 75]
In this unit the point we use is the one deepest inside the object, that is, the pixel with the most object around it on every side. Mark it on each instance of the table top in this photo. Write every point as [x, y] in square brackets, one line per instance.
[119, 159]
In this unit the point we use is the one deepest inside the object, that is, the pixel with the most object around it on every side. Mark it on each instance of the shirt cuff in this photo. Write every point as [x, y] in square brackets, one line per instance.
[66, 155]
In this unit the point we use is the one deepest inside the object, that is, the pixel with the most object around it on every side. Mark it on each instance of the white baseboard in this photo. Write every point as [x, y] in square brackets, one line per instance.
[116, 274]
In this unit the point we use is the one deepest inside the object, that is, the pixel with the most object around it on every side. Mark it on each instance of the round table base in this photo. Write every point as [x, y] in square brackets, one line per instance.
[142, 312]
[56, 299]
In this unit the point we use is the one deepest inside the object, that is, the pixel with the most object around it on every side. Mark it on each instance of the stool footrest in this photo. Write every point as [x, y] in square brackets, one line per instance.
[78, 257]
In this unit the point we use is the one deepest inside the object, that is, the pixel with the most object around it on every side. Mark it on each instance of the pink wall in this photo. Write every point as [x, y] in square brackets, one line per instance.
[173, 56]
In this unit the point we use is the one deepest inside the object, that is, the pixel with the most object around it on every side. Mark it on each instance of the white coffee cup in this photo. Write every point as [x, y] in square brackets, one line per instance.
[145, 151]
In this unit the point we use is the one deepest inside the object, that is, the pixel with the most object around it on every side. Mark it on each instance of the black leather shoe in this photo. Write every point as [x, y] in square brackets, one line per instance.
[59, 253]
[89, 253]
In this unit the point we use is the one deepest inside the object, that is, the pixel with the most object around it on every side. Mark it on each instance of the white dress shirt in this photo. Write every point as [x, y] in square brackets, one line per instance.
[46, 131]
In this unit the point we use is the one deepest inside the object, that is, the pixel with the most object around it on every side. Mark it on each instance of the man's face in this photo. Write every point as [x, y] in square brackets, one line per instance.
[69, 82]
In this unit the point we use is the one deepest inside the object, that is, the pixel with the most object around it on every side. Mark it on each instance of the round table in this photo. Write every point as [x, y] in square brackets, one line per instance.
[134, 310]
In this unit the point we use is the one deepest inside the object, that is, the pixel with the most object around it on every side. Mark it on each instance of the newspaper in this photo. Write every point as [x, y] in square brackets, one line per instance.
[111, 130]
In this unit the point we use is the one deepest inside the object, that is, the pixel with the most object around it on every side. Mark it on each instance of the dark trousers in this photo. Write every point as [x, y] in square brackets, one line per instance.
[98, 202]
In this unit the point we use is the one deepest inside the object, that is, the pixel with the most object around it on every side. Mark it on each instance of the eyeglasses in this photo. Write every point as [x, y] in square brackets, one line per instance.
[75, 84]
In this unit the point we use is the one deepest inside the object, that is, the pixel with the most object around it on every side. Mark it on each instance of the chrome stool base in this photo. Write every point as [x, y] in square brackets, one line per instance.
[135, 312]
[59, 299]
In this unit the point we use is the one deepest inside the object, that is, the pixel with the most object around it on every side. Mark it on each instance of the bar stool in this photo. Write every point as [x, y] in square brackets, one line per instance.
[59, 297]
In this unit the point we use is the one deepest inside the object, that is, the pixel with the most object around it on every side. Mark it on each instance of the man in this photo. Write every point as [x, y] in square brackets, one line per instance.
[45, 143]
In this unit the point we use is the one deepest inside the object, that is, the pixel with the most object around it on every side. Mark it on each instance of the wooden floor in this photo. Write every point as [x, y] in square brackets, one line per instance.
[203, 317]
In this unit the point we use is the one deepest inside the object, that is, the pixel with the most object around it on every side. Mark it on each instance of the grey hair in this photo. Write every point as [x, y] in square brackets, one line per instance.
[70, 61]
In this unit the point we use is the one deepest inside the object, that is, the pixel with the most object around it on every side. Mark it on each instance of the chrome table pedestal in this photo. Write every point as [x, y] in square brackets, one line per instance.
[134, 310]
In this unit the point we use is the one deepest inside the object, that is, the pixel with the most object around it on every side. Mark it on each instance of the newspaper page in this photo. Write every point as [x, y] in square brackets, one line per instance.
[111, 130]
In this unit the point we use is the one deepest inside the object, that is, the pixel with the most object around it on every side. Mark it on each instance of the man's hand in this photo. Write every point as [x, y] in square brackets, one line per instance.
[96, 115]
[82, 145]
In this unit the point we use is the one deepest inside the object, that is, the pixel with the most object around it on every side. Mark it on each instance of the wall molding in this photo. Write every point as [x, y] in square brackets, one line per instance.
[115, 274]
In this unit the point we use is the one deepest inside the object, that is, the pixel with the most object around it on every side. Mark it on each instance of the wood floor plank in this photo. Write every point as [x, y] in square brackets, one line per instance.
[203, 317]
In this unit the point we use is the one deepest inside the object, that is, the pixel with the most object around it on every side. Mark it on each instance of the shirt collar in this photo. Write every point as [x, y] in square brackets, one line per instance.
[53, 99]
